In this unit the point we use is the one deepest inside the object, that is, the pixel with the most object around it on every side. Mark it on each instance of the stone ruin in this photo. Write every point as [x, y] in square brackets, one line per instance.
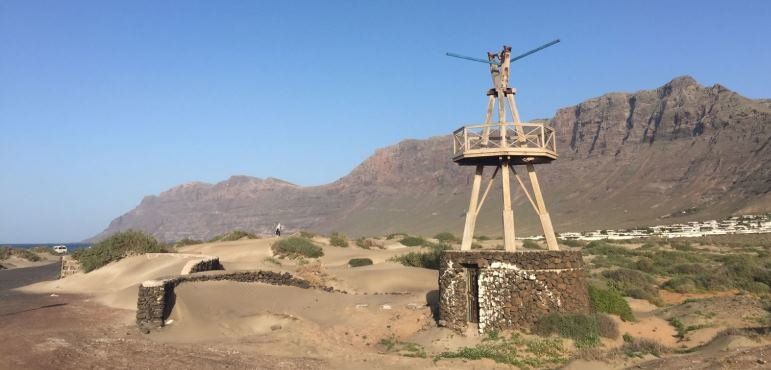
[498, 290]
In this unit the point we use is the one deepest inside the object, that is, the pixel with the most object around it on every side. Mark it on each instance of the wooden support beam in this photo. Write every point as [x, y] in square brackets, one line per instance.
[488, 119]
[509, 242]
[471, 214]
[487, 190]
[548, 229]
[515, 116]
[502, 118]
[524, 189]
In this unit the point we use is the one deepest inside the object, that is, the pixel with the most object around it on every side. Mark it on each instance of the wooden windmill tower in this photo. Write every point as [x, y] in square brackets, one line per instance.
[503, 144]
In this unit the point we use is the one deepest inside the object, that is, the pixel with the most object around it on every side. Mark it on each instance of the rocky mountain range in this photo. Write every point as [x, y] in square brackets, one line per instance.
[680, 152]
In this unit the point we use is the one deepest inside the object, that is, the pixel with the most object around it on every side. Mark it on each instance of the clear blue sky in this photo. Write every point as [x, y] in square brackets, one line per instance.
[104, 102]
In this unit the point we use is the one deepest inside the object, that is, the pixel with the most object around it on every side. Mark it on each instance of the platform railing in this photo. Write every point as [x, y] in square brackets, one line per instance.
[522, 137]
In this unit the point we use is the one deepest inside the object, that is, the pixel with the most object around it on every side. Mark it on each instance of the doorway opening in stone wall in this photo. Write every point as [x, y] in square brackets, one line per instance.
[472, 293]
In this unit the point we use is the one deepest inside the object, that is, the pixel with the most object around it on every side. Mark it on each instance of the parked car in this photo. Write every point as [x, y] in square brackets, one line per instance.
[60, 249]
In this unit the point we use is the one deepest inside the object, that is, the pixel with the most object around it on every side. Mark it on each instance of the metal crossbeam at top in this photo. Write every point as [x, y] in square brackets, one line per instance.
[518, 57]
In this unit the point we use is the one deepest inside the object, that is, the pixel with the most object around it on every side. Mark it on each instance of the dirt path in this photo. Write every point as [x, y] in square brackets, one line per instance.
[62, 331]
[70, 332]
[737, 358]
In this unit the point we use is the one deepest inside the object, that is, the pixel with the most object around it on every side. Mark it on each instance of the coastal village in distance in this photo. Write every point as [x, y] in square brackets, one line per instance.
[745, 224]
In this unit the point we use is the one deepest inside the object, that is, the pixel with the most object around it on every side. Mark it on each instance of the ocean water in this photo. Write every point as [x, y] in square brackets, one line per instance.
[70, 246]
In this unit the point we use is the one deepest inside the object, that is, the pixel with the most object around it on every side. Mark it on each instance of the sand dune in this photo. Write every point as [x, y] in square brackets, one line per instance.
[248, 254]
[230, 309]
[385, 277]
[116, 284]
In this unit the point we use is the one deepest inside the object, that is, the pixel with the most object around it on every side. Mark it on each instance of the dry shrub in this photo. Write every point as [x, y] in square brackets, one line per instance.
[638, 347]
[313, 273]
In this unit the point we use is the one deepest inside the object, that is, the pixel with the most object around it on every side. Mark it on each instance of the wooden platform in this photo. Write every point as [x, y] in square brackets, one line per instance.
[524, 143]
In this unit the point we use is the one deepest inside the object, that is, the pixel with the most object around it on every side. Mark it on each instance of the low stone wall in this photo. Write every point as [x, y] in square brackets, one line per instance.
[208, 263]
[70, 266]
[156, 297]
[513, 289]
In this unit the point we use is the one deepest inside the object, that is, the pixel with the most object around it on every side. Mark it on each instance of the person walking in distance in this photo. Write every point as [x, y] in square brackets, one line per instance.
[278, 229]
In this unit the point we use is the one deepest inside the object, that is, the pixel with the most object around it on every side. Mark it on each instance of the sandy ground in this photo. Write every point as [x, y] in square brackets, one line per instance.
[87, 320]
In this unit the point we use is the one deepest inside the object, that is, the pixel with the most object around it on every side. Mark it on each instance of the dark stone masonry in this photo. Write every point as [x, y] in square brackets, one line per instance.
[156, 297]
[70, 266]
[508, 290]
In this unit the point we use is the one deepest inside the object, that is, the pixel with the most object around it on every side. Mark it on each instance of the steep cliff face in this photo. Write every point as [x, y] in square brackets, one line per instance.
[626, 159]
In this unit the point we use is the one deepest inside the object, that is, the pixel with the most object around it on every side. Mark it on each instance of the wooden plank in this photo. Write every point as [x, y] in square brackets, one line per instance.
[509, 243]
[471, 215]
[548, 229]
[487, 190]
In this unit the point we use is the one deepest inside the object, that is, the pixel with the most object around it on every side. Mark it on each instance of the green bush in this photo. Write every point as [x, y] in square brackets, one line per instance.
[429, 260]
[413, 241]
[645, 264]
[7, 252]
[601, 247]
[294, 247]
[482, 238]
[446, 237]
[584, 329]
[610, 301]
[633, 283]
[531, 244]
[232, 236]
[116, 247]
[358, 262]
[338, 240]
[681, 284]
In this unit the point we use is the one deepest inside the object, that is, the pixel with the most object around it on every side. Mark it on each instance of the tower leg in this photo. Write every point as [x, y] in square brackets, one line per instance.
[548, 229]
[508, 215]
[471, 214]
[488, 119]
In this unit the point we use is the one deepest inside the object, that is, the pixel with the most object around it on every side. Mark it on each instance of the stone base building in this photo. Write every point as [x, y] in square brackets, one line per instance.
[499, 290]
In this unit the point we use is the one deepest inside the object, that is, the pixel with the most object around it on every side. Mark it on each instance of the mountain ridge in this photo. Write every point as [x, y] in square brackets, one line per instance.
[626, 159]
